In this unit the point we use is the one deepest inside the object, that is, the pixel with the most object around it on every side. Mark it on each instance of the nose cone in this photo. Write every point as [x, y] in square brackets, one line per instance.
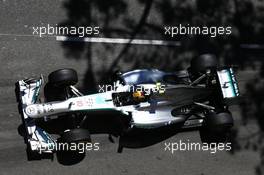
[31, 110]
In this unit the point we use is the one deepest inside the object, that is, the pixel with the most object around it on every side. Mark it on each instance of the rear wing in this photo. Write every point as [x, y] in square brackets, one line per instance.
[228, 84]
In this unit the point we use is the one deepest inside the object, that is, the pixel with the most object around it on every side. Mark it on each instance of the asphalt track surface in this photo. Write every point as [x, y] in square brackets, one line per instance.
[22, 56]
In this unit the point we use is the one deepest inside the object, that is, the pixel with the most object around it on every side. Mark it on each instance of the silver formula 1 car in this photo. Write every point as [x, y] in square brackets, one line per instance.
[141, 107]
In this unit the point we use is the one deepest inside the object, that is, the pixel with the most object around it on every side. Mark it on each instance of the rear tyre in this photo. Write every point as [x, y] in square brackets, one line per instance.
[217, 128]
[209, 137]
[199, 65]
[203, 62]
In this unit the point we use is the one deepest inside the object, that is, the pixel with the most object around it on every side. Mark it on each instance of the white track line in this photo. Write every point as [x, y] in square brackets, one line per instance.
[103, 40]
[119, 41]
[24, 35]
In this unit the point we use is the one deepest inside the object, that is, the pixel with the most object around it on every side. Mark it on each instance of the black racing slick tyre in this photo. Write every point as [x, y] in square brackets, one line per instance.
[76, 135]
[71, 157]
[219, 122]
[217, 127]
[59, 80]
[54, 93]
[203, 62]
[67, 156]
[63, 77]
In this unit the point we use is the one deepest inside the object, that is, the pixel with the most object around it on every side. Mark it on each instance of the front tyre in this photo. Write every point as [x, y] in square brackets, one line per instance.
[63, 77]
[66, 155]
[59, 81]
[76, 135]
[72, 137]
